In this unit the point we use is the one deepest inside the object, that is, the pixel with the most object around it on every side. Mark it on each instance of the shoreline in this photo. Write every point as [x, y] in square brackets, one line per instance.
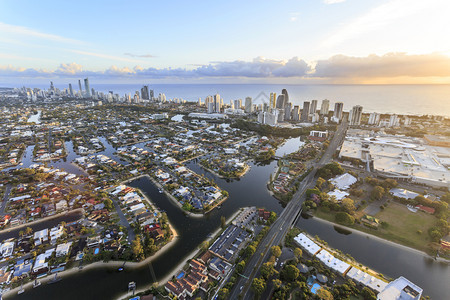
[113, 263]
[80, 210]
[173, 198]
[224, 177]
[96, 265]
[438, 259]
[191, 255]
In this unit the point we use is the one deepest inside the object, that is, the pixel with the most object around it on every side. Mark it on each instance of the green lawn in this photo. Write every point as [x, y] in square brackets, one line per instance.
[402, 228]
[404, 225]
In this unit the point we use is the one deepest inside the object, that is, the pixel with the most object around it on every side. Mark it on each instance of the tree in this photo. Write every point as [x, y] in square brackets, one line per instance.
[377, 193]
[368, 294]
[223, 222]
[348, 205]
[204, 245]
[277, 283]
[290, 273]
[272, 217]
[249, 251]
[298, 253]
[324, 294]
[276, 251]
[138, 250]
[108, 204]
[258, 286]
[344, 218]
[240, 266]
[267, 270]
[28, 231]
[223, 293]
[319, 183]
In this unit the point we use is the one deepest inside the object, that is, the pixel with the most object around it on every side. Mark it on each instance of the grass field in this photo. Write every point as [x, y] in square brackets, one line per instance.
[403, 225]
[402, 228]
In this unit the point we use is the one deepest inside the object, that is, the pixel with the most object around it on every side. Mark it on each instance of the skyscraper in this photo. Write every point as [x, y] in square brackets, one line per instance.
[81, 89]
[280, 101]
[237, 103]
[248, 105]
[394, 121]
[144, 92]
[355, 114]
[217, 105]
[273, 97]
[325, 107]
[286, 97]
[52, 87]
[305, 112]
[86, 86]
[295, 113]
[338, 110]
[313, 108]
[287, 111]
[152, 94]
[70, 90]
[374, 118]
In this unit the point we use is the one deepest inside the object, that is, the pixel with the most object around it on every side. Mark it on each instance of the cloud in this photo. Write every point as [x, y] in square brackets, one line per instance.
[388, 65]
[259, 67]
[25, 31]
[105, 56]
[391, 65]
[71, 68]
[139, 55]
[333, 1]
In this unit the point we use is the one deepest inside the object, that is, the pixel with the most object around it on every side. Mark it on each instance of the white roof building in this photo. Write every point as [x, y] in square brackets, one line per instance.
[401, 289]
[367, 279]
[40, 260]
[402, 193]
[6, 249]
[63, 249]
[338, 194]
[40, 236]
[332, 262]
[344, 181]
[307, 244]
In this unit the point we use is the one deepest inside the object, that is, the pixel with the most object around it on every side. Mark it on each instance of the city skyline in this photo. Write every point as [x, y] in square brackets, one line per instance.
[330, 41]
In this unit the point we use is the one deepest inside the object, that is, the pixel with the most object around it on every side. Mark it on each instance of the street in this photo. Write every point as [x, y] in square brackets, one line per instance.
[284, 222]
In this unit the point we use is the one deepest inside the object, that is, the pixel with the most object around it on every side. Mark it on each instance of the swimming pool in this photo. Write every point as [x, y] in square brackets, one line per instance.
[96, 251]
[310, 280]
[315, 287]
[180, 275]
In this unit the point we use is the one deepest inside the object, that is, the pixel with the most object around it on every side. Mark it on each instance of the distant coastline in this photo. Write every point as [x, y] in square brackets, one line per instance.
[410, 99]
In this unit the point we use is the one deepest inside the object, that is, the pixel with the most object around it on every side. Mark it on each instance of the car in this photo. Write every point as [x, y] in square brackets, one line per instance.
[241, 287]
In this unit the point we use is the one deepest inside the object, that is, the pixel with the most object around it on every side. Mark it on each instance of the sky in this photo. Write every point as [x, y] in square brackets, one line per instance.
[293, 41]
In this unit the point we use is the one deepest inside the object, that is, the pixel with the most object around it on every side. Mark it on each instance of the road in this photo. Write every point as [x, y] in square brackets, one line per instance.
[5, 199]
[284, 222]
[123, 220]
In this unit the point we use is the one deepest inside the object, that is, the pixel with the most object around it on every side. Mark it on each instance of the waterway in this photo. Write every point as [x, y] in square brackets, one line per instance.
[107, 283]
[388, 258]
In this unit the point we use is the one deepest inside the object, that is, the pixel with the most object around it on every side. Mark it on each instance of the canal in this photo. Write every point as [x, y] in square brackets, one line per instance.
[107, 283]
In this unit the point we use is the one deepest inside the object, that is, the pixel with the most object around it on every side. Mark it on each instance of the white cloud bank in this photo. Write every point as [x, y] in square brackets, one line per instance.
[339, 66]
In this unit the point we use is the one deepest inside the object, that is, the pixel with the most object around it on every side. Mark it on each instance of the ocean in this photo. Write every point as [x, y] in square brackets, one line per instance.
[399, 99]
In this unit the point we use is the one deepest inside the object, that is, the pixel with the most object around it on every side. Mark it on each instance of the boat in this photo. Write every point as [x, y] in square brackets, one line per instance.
[120, 269]
[55, 279]
[21, 289]
[36, 283]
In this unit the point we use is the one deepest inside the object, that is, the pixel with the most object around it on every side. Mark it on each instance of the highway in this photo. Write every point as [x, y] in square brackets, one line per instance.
[285, 220]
